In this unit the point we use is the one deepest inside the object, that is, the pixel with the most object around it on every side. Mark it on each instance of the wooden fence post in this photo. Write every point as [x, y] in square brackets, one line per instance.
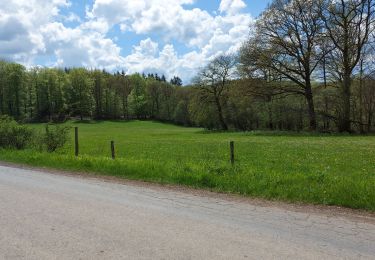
[76, 141]
[113, 150]
[232, 152]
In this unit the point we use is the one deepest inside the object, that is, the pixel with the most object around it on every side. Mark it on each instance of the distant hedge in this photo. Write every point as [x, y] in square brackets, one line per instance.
[13, 135]
[17, 136]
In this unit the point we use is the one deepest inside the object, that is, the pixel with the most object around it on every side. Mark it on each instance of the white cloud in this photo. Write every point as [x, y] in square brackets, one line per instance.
[77, 47]
[169, 19]
[162, 61]
[20, 21]
[147, 57]
[29, 29]
[231, 6]
[72, 17]
[32, 28]
[206, 34]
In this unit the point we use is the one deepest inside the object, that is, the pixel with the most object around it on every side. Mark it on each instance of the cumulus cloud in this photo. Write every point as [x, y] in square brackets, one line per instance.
[72, 17]
[32, 28]
[149, 58]
[231, 6]
[29, 29]
[206, 34]
[76, 47]
[20, 21]
[169, 19]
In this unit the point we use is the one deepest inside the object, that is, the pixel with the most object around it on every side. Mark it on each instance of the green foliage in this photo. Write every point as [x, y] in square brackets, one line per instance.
[12, 76]
[203, 114]
[79, 96]
[14, 135]
[55, 95]
[176, 81]
[181, 114]
[55, 137]
[49, 85]
[137, 98]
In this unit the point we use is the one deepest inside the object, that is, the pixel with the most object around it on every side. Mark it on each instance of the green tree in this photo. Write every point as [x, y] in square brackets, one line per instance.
[287, 41]
[79, 94]
[98, 90]
[213, 81]
[176, 81]
[13, 91]
[348, 26]
[137, 98]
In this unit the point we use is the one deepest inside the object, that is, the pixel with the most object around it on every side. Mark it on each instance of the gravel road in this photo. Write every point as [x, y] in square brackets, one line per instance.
[54, 216]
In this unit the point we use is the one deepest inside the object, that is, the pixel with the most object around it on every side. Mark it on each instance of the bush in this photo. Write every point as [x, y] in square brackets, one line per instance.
[55, 138]
[14, 135]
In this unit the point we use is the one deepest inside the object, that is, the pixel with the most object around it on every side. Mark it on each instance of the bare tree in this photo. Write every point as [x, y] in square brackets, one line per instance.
[348, 25]
[368, 92]
[213, 81]
[124, 90]
[366, 88]
[287, 41]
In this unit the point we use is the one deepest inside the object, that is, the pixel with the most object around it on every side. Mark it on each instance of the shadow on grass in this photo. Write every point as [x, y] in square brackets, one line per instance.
[285, 133]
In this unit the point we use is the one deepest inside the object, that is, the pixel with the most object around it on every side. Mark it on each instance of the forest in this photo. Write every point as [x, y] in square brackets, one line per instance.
[306, 66]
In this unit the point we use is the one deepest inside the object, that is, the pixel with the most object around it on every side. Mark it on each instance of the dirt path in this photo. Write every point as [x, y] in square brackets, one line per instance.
[54, 216]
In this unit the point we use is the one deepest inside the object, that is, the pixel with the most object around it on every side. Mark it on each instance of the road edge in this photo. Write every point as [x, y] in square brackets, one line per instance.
[326, 210]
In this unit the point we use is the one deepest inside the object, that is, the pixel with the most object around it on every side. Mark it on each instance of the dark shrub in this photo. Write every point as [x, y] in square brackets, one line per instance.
[55, 137]
[14, 135]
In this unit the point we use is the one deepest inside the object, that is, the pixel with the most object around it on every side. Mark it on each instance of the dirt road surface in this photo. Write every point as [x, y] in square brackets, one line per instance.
[54, 216]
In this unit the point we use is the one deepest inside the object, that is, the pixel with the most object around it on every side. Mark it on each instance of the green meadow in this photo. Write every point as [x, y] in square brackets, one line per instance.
[306, 168]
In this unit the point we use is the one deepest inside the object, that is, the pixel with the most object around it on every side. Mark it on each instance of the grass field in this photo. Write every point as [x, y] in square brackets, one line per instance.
[330, 170]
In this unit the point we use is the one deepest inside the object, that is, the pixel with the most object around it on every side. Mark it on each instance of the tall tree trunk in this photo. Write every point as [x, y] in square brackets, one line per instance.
[311, 107]
[1, 103]
[157, 107]
[369, 121]
[98, 102]
[127, 108]
[80, 103]
[220, 113]
[270, 115]
[361, 128]
[369, 115]
[345, 124]
[124, 107]
[18, 113]
[326, 108]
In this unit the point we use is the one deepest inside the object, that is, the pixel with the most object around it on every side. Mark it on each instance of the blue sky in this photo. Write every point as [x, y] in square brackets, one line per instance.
[171, 37]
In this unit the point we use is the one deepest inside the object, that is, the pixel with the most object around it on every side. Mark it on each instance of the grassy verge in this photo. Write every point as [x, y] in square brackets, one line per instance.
[329, 170]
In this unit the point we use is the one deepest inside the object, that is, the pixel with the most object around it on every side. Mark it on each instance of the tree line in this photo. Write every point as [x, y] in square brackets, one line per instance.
[320, 49]
[306, 65]
[52, 94]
